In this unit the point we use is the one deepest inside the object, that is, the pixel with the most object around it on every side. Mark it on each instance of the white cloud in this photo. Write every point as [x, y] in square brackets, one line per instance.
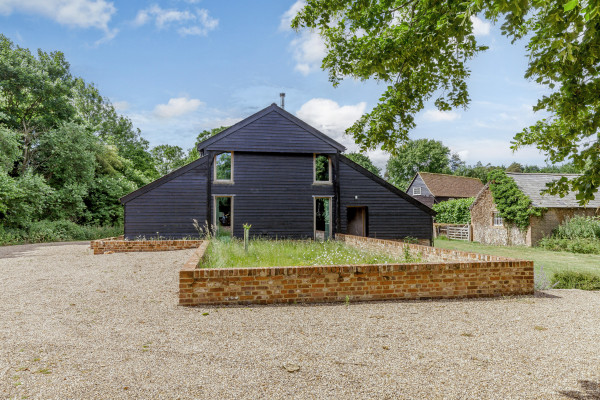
[480, 27]
[288, 16]
[197, 22]
[308, 48]
[437, 115]
[177, 107]
[121, 105]
[74, 13]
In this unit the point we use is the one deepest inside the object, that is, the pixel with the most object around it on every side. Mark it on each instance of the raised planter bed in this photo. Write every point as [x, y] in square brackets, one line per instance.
[445, 274]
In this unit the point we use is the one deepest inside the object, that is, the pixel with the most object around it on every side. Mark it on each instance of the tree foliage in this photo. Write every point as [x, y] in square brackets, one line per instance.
[453, 211]
[422, 155]
[364, 161]
[514, 206]
[420, 50]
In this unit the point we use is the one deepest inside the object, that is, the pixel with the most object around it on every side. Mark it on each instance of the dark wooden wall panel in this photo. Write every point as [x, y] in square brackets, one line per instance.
[272, 133]
[169, 208]
[389, 216]
[274, 193]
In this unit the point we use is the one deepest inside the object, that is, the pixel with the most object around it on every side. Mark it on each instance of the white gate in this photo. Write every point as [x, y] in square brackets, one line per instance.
[453, 231]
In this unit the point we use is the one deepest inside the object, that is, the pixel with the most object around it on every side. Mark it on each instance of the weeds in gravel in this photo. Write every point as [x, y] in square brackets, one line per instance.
[541, 280]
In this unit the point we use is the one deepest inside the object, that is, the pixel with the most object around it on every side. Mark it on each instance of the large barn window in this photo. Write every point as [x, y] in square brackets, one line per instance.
[223, 215]
[322, 168]
[497, 219]
[224, 167]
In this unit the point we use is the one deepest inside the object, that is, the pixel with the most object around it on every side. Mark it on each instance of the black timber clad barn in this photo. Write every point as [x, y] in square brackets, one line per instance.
[270, 181]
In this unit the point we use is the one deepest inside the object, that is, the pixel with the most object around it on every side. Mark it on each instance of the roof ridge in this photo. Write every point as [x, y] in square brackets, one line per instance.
[454, 176]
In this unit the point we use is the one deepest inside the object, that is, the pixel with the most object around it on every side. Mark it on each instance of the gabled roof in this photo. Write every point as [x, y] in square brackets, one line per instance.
[171, 175]
[386, 184]
[442, 185]
[273, 108]
[532, 184]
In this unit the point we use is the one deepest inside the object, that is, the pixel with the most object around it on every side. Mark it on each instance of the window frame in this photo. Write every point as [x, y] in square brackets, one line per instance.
[414, 191]
[329, 175]
[215, 180]
[215, 209]
[497, 217]
[330, 198]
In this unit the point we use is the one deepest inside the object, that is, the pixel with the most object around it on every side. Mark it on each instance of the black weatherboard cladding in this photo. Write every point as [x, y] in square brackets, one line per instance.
[389, 215]
[274, 193]
[169, 208]
[272, 133]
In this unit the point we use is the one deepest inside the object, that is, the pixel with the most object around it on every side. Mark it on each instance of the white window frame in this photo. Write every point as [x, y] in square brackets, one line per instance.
[215, 180]
[315, 197]
[315, 181]
[215, 210]
[415, 192]
[497, 219]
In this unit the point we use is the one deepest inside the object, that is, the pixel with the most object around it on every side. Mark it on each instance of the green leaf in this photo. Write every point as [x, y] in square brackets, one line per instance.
[571, 5]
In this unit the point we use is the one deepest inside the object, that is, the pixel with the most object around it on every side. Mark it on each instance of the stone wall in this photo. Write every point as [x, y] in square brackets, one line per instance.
[117, 245]
[485, 232]
[461, 278]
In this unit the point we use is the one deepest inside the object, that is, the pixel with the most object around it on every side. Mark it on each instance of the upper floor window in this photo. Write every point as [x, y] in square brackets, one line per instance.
[322, 168]
[416, 191]
[223, 166]
[497, 219]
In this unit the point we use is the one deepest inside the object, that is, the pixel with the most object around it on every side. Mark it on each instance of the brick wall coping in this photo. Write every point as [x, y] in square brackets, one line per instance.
[471, 276]
[120, 245]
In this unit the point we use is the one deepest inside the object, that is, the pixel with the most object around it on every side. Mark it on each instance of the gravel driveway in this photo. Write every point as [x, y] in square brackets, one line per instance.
[75, 325]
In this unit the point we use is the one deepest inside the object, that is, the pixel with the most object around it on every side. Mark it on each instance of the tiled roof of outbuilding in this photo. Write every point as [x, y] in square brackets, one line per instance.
[533, 184]
[442, 185]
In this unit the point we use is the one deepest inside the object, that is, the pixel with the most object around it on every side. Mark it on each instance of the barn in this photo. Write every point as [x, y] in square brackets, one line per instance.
[281, 176]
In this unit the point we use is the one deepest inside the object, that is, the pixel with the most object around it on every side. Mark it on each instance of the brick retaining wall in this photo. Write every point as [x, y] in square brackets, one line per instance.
[475, 275]
[114, 245]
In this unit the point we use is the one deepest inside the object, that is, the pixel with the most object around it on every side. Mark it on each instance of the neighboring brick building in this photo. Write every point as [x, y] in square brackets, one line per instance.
[490, 228]
[430, 188]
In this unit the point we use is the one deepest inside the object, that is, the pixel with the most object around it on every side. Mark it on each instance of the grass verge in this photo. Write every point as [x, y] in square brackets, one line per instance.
[273, 253]
[553, 262]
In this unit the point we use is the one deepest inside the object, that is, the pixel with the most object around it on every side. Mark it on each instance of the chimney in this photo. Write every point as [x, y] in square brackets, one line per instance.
[282, 95]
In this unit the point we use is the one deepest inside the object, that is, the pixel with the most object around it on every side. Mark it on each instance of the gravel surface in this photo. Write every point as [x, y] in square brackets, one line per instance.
[75, 325]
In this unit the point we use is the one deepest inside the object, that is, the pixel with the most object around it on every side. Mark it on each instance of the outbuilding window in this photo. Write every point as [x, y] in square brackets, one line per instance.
[497, 219]
[223, 167]
[416, 191]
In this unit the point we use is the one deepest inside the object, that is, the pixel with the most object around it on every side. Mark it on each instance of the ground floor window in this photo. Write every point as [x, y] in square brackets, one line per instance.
[223, 215]
[322, 218]
[497, 219]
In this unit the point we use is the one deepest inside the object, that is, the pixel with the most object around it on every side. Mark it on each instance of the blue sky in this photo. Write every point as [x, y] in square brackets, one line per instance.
[176, 67]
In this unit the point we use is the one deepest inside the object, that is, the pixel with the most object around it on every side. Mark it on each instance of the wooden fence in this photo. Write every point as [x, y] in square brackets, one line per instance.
[453, 231]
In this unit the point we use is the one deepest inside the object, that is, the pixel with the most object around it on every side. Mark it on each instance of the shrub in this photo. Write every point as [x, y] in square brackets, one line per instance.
[578, 245]
[55, 231]
[576, 280]
[579, 227]
[453, 211]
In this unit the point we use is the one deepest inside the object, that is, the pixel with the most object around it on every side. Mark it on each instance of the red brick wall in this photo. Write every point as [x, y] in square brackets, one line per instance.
[431, 280]
[113, 245]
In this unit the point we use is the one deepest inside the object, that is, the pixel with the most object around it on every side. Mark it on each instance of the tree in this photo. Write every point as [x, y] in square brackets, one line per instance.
[202, 136]
[34, 94]
[420, 49]
[424, 155]
[168, 158]
[365, 162]
[478, 170]
[514, 167]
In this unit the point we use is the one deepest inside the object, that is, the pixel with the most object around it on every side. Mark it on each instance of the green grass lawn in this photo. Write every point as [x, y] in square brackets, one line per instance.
[552, 261]
[273, 253]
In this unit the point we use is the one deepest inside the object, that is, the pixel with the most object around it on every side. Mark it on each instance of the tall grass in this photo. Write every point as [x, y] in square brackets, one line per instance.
[271, 253]
[575, 235]
[56, 231]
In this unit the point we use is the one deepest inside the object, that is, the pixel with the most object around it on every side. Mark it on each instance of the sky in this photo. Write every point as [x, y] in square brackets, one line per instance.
[177, 67]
